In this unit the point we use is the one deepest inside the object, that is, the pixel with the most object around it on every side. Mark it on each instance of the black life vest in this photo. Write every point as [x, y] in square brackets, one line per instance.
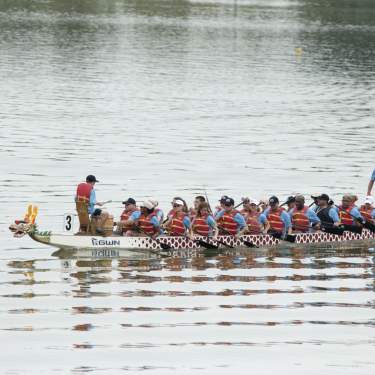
[323, 215]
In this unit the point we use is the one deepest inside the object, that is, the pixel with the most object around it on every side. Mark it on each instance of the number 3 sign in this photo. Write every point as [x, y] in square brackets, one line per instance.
[68, 222]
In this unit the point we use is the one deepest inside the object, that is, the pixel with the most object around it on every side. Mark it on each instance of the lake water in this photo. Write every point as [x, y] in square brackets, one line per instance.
[165, 98]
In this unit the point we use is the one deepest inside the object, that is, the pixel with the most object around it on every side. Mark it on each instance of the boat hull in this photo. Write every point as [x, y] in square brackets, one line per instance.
[112, 245]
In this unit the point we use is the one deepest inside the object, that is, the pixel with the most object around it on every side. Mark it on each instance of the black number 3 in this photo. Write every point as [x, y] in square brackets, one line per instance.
[68, 225]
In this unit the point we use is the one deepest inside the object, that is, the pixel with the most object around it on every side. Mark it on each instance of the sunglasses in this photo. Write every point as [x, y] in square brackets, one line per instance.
[176, 205]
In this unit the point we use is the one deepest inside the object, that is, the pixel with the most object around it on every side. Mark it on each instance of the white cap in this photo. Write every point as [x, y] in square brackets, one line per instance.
[369, 199]
[179, 201]
[154, 202]
[148, 204]
[250, 200]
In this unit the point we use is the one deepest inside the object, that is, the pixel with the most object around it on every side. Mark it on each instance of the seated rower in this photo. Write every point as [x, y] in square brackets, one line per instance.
[101, 223]
[229, 220]
[367, 210]
[251, 213]
[197, 201]
[178, 223]
[221, 205]
[124, 224]
[158, 211]
[303, 218]
[326, 213]
[291, 203]
[144, 222]
[203, 223]
[275, 219]
[349, 214]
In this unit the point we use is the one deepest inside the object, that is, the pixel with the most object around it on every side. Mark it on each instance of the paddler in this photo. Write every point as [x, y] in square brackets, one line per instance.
[229, 220]
[367, 210]
[349, 214]
[124, 225]
[144, 221]
[203, 223]
[275, 219]
[251, 213]
[303, 218]
[101, 223]
[178, 223]
[325, 212]
[158, 211]
[85, 199]
[197, 201]
[291, 203]
[371, 183]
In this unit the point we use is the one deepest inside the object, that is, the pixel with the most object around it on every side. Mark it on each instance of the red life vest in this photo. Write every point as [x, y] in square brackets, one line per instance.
[125, 216]
[300, 221]
[200, 226]
[274, 219]
[83, 192]
[145, 224]
[176, 226]
[252, 221]
[344, 215]
[227, 222]
[366, 214]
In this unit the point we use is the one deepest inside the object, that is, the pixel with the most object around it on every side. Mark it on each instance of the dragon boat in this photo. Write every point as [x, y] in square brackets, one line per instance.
[113, 246]
[116, 245]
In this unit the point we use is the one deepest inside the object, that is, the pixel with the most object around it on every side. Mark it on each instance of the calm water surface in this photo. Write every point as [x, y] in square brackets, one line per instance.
[164, 98]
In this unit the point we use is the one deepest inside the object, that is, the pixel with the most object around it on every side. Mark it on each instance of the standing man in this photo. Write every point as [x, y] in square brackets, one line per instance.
[85, 202]
[371, 183]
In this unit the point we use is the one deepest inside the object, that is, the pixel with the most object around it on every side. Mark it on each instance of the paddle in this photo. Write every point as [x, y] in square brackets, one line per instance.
[247, 243]
[289, 237]
[332, 229]
[163, 245]
[205, 244]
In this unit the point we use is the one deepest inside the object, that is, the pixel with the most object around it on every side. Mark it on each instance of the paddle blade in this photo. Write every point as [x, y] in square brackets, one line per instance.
[207, 245]
[290, 238]
[164, 246]
[249, 244]
[333, 230]
[352, 228]
[369, 226]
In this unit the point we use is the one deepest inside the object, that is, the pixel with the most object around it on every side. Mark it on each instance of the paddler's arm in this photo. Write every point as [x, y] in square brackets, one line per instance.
[156, 224]
[313, 218]
[187, 225]
[240, 220]
[212, 223]
[287, 223]
[333, 214]
[263, 220]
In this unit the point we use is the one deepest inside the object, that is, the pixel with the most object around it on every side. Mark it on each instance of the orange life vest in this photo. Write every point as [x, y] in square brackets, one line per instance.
[366, 214]
[200, 225]
[252, 221]
[227, 222]
[300, 221]
[145, 224]
[274, 219]
[176, 226]
[83, 192]
[344, 215]
[125, 216]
